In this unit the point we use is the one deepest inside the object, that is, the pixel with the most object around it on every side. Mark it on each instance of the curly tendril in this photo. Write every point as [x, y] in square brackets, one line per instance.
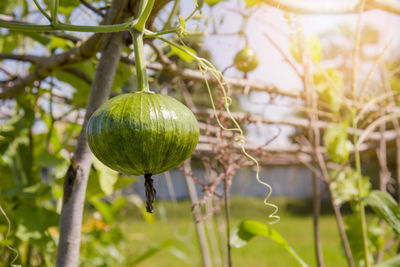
[206, 68]
[6, 238]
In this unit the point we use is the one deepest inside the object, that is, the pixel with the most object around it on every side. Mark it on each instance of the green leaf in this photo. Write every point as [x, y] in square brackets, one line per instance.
[344, 185]
[82, 87]
[248, 229]
[314, 48]
[8, 42]
[124, 181]
[61, 43]
[392, 262]
[11, 130]
[138, 202]
[122, 75]
[386, 208]
[329, 90]
[212, 2]
[33, 222]
[104, 209]
[107, 177]
[42, 39]
[251, 3]
[336, 143]
[182, 23]
[155, 248]
[7, 179]
[185, 56]
[8, 6]
[93, 187]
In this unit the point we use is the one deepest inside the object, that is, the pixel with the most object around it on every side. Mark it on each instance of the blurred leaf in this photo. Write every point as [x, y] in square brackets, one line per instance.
[123, 181]
[355, 236]
[392, 262]
[251, 3]
[8, 6]
[212, 2]
[344, 185]
[248, 229]
[155, 248]
[187, 57]
[314, 49]
[182, 23]
[386, 208]
[328, 89]
[107, 177]
[40, 38]
[47, 160]
[33, 222]
[118, 204]
[370, 35]
[336, 143]
[7, 179]
[66, 7]
[9, 131]
[295, 48]
[81, 86]
[27, 102]
[138, 202]
[8, 42]
[81, 95]
[122, 75]
[105, 210]
[93, 187]
[60, 43]
[395, 83]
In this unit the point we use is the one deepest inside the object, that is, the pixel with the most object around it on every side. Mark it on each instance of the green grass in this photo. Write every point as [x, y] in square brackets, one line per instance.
[174, 222]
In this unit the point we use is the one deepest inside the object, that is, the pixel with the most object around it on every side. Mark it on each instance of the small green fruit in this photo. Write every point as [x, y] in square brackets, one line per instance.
[246, 60]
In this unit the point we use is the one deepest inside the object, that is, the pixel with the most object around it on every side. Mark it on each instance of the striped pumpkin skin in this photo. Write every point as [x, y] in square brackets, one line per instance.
[142, 133]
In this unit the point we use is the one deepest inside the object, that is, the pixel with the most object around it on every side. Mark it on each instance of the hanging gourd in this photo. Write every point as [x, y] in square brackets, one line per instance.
[142, 133]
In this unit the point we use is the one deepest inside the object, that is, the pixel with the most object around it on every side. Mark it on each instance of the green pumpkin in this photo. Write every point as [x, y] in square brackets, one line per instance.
[142, 133]
[246, 60]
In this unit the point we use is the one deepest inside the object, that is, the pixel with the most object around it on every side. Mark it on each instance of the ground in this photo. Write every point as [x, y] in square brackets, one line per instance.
[174, 221]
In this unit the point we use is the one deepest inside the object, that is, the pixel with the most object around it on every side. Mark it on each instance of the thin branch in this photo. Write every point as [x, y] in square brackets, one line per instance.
[356, 51]
[80, 74]
[368, 78]
[42, 11]
[332, 6]
[26, 58]
[285, 56]
[83, 51]
[7, 71]
[93, 8]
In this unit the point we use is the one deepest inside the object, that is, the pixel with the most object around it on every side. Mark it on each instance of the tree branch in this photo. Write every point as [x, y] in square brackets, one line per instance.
[82, 52]
[78, 172]
[332, 6]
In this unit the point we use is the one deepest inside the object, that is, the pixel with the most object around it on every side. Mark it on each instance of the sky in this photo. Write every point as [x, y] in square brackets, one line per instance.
[272, 67]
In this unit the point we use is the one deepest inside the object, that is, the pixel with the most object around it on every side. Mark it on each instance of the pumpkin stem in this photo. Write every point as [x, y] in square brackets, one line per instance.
[150, 192]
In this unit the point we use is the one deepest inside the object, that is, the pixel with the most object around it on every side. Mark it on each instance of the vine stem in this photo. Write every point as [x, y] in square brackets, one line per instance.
[228, 220]
[25, 27]
[137, 32]
[140, 61]
[360, 203]
[144, 12]
[42, 11]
